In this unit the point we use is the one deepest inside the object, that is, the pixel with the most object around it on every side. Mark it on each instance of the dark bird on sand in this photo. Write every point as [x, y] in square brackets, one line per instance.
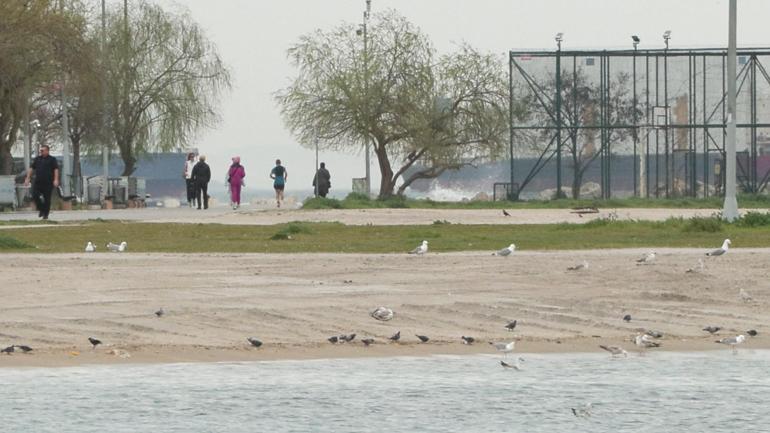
[712, 329]
[752, 332]
[505, 213]
[254, 342]
[8, 350]
[94, 342]
[347, 338]
[160, 312]
[511, 326]
[468, 340]
[333, 339]
[367, 341]
[422, 338]
[396, 336]
[627, 318]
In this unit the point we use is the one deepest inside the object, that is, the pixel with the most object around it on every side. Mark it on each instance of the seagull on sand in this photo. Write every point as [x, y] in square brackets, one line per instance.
[90, 247]
[94, 342]
[24, 348]
[382, 314]
[733, 341]
[579, 266]
[614, 350]
[254, 342]
[367, 341]
[516, 366]
[396, 336]
[712, 329]
[745, 297]
[505, 252]
[8, 350]
[423, 338]
[505, 348]
[720, 251]
[511, 326]
[160, 312]
[117, 248]
[468, 340]
[644, 341]
[421, 249]
[696, 269]
[647, 258]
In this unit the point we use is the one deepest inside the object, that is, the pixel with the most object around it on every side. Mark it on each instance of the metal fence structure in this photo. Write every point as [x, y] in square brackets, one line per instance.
[666, 108]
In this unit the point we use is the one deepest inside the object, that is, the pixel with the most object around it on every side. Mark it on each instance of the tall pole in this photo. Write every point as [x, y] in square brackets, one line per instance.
[65, 133]
[511, 193]
[730, 210]
[105, 119]
[636, 129]
[558, 115]
[315, 179]
[366, 96]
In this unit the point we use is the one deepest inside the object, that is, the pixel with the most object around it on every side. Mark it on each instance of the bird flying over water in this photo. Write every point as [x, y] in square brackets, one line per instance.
[721, 250]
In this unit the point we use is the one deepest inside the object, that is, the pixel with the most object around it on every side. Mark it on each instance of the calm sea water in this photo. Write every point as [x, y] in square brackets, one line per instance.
[662, 392]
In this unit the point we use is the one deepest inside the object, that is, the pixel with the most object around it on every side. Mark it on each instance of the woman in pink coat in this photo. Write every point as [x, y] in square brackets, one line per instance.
[235, 178]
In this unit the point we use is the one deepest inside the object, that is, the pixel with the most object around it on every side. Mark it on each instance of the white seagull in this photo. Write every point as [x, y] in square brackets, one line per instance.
[647, 258]
[117, 248]
[507, 251]
[122, 247]
[505, 348]
[382, 314]
[421, 249]
[614, 350]
[90, 248]
[745, 297]
[644, 341]
[732, 341]
[579, 266]
[720, 251]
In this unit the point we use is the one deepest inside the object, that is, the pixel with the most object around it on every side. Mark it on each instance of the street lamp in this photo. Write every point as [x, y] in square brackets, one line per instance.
[559, 37]
[666, 37]
[636, 41]
[362, 31]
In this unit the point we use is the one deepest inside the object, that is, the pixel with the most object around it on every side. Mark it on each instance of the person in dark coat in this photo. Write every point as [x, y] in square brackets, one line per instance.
[322, 180]
[201, 175]
[46, 170]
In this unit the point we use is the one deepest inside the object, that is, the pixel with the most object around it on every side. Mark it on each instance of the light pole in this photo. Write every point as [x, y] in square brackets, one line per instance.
[105, 119]
[366, 96]
[666, 37]
[559, 37]
[637, 183]
[730, 209]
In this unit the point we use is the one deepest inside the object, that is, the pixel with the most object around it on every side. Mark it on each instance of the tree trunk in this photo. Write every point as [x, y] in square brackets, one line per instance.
[129, 160]
[6, 159]
[387, 183]
[577, 181]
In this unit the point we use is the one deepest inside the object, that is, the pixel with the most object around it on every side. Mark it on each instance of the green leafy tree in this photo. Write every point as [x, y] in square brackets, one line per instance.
[422, 113]
[164, 80]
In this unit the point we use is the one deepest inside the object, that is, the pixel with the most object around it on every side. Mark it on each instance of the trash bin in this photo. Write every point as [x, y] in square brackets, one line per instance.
[94, 193]
[359, 185]
[120, 194]
[23, 194]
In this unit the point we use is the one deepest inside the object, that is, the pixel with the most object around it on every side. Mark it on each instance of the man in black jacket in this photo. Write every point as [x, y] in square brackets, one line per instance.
[322, 181]
[46, 170]
[201, 175]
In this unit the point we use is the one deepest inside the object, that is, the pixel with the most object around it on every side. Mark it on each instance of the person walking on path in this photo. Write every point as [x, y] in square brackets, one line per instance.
[235, 176]
[46, 169]
[322, 181]
[201, 176]
[279, 176]
[188, 168]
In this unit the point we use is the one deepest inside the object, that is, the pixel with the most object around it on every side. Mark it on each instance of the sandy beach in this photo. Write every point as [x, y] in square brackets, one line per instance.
[294, 302]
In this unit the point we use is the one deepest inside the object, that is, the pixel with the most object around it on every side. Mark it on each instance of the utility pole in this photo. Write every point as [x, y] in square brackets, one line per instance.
[730, 210]
[105, 118]
[66, 172]
[559, 37]
[366, 97]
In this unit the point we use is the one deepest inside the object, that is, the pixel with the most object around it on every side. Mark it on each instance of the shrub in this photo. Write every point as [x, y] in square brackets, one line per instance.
[710, 224]
[754, 219]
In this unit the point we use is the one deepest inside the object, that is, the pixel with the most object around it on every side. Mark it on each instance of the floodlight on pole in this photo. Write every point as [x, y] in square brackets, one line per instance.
[666, 37]
[559, 37]
[730, 208]
[636, 41]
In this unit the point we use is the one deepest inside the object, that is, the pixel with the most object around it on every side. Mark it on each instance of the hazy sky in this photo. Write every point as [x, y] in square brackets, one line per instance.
[253, 35]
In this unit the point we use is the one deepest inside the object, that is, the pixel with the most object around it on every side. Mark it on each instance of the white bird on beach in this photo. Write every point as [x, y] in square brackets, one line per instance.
[733, 341]
[90, 247]
[117, 248]
[505, 252]
[745, 297]
[647, 258]
[614, 350]
[644, 341]
[720, 251]
[579, 266]
[421, 249]
[382, 314]
[505, 348]
[700, 268]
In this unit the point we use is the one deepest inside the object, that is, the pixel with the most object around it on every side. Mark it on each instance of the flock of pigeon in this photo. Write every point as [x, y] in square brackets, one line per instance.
[115, 248]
